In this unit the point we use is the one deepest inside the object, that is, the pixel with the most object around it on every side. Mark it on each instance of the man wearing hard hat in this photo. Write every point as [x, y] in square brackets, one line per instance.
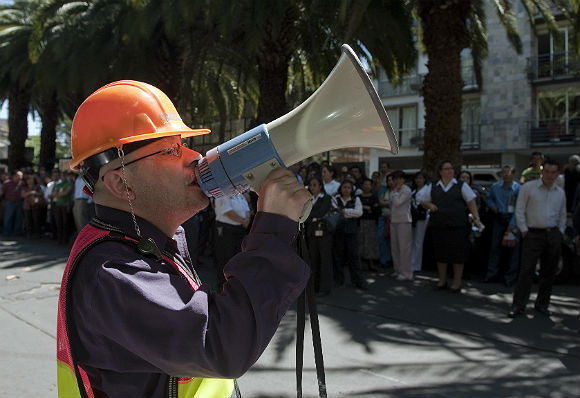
[133, 318]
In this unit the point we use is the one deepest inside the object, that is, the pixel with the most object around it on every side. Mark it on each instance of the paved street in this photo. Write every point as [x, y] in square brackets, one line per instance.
[395, 340]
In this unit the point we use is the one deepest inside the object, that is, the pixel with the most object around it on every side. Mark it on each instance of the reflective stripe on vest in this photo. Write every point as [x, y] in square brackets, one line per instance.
[69, 376]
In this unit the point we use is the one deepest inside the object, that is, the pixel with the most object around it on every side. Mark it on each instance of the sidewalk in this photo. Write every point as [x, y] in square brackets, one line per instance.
[398, 339]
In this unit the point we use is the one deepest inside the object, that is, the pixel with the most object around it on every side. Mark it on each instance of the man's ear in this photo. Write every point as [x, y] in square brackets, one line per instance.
[115, 183]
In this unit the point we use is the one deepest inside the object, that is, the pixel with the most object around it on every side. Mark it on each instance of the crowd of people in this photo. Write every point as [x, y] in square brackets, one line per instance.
[43, 204]
[380, 224]
[364, 224]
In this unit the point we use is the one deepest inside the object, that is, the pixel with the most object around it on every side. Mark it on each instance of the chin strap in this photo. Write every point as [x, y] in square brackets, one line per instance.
[124, 176]
[146, 246]
[308, 296]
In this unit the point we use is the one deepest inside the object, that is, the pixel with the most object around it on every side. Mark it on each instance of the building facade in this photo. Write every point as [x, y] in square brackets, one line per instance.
[527, 102]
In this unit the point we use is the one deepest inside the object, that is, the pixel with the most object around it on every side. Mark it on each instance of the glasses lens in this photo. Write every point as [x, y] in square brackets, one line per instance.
[176, 149]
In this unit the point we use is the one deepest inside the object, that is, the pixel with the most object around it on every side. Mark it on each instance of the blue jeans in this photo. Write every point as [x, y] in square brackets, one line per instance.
[13, 214]
[493, 265]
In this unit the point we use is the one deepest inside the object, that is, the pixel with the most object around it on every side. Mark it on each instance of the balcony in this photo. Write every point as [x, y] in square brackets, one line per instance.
[470, 137]
[554, 132]
[407, 86]
[556, 66]
[409, 137]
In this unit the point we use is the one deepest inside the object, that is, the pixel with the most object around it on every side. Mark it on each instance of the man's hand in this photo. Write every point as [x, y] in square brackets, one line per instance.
[282, 194]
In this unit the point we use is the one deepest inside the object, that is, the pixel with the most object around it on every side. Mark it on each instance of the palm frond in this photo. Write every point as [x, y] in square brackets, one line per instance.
[478, 39]
[508, 19]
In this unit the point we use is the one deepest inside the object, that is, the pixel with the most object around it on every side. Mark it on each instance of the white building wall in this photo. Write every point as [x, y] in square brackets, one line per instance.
[506, 93]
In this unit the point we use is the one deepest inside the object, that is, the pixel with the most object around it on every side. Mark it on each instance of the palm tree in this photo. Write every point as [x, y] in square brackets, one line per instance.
[172, 44]
[29, 69]
[191, 61]
[449, 26]
[308, 36]
[45, 90]
[16, 75]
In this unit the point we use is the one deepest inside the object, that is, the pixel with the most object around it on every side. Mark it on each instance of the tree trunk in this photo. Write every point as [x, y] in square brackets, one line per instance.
[167, 54]
[272, 82]
[49, 115]
[18, 104]
[273, 61]
[444, 35]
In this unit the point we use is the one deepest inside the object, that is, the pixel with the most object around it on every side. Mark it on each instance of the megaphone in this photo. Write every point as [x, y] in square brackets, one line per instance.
[344, 112]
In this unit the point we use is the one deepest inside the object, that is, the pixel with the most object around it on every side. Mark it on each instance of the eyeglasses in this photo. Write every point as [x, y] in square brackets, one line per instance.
[175, 150]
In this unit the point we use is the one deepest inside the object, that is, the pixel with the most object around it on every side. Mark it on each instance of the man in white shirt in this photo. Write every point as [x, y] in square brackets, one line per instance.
[50, 217]
[541, 218]
[82, 205]
[384, 170]
[232, 220]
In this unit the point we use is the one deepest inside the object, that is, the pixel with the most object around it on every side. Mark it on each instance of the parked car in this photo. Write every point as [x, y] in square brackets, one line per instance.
[484, 177]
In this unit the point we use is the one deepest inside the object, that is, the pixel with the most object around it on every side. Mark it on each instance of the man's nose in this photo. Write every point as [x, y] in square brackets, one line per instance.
[192, 156]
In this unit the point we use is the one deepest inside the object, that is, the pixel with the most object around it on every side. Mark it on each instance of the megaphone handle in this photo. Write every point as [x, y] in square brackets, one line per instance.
[255, 177]
[305, 211]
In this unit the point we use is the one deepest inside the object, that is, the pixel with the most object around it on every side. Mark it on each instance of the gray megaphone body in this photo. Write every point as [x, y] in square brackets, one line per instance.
[345, 111]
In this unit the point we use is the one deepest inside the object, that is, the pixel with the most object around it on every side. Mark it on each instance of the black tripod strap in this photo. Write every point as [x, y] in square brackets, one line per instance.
[308, 295]
[316, 340]
[300, 323]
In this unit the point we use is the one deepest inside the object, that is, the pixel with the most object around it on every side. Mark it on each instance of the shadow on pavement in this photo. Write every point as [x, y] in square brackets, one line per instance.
[33, 255]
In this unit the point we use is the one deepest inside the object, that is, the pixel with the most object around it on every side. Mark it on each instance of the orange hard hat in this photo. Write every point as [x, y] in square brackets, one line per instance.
[123, 112]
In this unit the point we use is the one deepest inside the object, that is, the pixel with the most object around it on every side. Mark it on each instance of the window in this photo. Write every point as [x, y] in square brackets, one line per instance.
[470, 124]
[558, 111]
[404, 122]
[468, 69]
[407, 85]
[555, 53]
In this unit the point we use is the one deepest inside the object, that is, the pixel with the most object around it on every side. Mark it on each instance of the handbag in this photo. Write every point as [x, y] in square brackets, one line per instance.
[334, 219]
[418, 212]
[387, 229]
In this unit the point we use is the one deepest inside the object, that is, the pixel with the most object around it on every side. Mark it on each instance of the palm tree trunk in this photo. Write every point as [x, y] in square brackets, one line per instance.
[272, 82]
[273, 61]
[445, 35]
[49, 116]
[18, 104]
[167, 61]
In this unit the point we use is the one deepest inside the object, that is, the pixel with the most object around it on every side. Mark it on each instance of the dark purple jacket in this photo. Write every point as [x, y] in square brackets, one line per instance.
[139, 321]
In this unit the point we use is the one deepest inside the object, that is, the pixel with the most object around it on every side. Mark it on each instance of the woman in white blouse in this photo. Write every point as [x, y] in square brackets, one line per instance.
[345, 245]
[330, 184]
[420, 219]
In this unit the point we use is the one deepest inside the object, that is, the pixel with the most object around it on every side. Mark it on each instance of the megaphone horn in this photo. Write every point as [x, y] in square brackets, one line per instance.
[344, 112]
